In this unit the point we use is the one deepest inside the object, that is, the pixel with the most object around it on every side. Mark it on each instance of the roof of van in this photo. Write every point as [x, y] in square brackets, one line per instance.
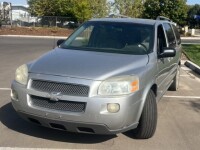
[129, 20]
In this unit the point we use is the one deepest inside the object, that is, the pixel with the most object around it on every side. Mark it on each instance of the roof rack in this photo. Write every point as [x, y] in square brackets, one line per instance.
[163, 18]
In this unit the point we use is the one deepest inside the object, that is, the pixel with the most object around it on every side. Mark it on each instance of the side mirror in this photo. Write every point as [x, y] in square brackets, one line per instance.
[59, 42]
[167, 52]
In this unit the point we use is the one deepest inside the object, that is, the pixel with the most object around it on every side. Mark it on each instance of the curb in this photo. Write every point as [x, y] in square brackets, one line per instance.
[192, 66]
[32, 36]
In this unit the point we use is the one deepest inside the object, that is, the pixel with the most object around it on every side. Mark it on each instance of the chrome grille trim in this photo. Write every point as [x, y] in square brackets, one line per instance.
[64, 88]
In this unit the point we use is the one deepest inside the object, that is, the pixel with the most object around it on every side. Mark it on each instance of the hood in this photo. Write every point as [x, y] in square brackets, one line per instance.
[87, 64]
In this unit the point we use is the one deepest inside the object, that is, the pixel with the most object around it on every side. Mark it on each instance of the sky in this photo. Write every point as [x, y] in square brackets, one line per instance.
[24, 2]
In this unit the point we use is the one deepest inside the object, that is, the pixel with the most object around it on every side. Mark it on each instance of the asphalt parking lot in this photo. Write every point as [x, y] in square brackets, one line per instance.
[178, 122]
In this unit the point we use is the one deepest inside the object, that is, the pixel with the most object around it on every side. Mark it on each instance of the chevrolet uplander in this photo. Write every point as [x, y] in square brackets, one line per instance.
[106, 78]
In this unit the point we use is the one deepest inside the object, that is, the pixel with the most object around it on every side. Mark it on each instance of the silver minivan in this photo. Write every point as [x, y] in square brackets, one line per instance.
[106, 78]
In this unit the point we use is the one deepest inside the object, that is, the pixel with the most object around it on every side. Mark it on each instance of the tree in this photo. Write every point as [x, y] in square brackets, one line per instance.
[51, 7]
[82, 10]
[99, 8]
[176, 10]
[131, 8]
[192, 11]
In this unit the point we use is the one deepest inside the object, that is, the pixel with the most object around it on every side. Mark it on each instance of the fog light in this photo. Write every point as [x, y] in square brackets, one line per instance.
[14, 95]
[113, 108]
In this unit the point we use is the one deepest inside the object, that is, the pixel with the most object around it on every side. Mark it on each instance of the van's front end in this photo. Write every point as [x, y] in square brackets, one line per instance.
[95, 82]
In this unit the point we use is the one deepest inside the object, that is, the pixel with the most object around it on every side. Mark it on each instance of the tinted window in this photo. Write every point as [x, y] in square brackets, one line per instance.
[170, 35]
[112, 37]
[177, 34]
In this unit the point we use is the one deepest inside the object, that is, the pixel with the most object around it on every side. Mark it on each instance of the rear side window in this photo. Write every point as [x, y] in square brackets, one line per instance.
[178, 37]
[170, 35]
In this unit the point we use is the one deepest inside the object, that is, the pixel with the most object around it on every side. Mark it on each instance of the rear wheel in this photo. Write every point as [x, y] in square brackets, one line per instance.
[148, 120]
[175, 84]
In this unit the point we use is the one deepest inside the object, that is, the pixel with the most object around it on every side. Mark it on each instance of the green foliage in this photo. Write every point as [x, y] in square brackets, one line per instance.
[131, 8]
[44, 7]
[176, 10]
[86, 9]
[80, 9]
[193, 52]
[193, 10]
[99, 8]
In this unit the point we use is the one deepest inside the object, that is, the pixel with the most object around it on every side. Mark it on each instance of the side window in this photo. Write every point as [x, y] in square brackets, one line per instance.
[161, 41]
[177, 34]
[170, 35]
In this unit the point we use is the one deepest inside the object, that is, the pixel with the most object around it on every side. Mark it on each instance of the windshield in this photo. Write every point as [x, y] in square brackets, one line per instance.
[112, 37]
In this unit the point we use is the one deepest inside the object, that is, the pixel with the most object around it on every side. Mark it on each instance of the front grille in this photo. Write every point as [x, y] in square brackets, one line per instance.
[64, 88]
[59, 105]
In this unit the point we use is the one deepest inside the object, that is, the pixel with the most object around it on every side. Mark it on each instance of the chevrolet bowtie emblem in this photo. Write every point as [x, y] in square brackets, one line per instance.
[54, 96]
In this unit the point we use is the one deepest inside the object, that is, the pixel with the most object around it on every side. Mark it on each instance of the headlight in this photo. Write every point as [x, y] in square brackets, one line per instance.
[119, 86]
[21, 74]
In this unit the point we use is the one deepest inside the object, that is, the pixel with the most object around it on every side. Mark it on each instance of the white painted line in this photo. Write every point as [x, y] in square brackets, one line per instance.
[186, 68]
[185, 75]
[15, 148]
[5, 89]
[184, 97]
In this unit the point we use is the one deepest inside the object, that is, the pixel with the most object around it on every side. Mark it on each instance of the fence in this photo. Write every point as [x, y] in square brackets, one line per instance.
[194, 32]
[197, 32]
[46, 21]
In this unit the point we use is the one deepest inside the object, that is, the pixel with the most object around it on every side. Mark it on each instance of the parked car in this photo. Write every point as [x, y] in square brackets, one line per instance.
[106, 78]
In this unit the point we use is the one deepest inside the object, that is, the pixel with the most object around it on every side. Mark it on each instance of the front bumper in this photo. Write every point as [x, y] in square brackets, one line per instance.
[95, 119]
[79, 127]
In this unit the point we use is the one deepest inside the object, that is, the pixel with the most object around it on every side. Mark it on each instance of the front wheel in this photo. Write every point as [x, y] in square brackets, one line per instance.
[148, 120]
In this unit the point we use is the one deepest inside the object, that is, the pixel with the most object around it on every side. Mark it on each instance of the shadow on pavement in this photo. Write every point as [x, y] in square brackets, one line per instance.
[131, 134]
[195, 106]
[10, 119]
[192, 104]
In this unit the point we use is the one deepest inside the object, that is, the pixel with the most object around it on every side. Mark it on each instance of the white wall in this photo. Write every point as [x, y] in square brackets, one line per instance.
[20, 13]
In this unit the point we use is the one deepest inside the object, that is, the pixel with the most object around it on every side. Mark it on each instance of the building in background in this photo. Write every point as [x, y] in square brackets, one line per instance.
[20, 12]
[21, 15]
[15, 14]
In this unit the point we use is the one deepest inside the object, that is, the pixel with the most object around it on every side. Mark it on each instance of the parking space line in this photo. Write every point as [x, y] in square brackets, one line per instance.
[185, 68]
[184, 75]
[15, 148]
[183, 97]
[5, 89]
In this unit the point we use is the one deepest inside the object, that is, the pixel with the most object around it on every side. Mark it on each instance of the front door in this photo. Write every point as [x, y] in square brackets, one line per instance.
[162, 63]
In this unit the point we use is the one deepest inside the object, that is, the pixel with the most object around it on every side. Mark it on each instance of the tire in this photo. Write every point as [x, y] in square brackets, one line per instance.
[148, 120]
[175, 84]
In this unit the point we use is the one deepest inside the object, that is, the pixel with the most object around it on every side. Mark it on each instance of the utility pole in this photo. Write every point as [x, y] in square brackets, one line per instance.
[11, 23]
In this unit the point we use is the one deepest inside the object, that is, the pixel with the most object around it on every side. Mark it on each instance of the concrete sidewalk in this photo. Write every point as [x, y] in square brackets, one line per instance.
[191, 38]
